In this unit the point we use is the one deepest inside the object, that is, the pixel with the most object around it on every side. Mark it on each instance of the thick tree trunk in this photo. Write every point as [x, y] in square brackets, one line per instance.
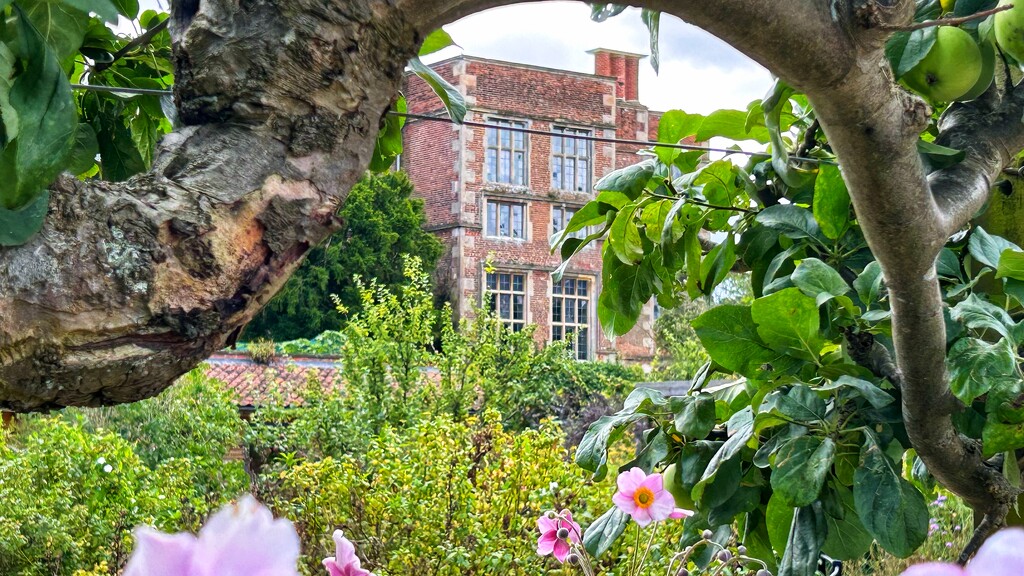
[129, 285]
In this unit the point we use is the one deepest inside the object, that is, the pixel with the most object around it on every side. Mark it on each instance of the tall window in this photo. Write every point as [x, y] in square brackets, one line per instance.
[507, 294]
[560, 216]
[506, 153]
[506, 219]
[570, 159]
[570, 313]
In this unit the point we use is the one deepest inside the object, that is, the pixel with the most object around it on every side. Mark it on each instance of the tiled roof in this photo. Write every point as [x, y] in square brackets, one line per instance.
[280, 382]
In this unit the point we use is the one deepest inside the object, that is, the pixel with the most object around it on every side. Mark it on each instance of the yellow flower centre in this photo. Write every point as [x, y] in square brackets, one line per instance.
[643, 497]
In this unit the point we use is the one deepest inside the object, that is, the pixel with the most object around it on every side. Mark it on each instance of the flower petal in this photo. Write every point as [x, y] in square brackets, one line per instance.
[656, 483]
[680, 513]
[934, 569]
[546, 543]
[1001, 555]
[642, 516]
[624, 502]
[159, 554]
[545, 524]
[630, 480]
[575, 532]
[561, 550]
[244, 539]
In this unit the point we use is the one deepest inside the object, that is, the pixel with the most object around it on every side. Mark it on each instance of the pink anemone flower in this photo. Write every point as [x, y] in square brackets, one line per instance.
[241, 539]
[645, 499]
[549, 542]
[1001, 555]
[344, 562]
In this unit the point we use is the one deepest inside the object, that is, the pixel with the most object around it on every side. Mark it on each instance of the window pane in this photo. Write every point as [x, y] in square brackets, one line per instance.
[570, 286]
[503, 167]
[520, 169]
[517, 307]
[583, 148]
[583, 177]
[517, 221]
[517, 282]
[492, 165]
[505, 282]
[570, 146]
[570, 310]
[556, 332]
[503, 220]
[517, 327]
[582, 344]
[505, 306]
[581, 287]
[581, 311]
[556, 310]
[492, 137]
[492, 221]
[556, 288]
[492, 281]
[556, 219]
[556, 144]
[506, 138]
[556, 172]
[570, 173]
[520, 137]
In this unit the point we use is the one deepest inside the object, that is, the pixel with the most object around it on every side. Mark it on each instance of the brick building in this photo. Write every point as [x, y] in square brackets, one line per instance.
[495, 196]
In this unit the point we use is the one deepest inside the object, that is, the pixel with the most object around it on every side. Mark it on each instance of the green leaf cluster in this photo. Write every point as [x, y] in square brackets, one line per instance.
[47, 128]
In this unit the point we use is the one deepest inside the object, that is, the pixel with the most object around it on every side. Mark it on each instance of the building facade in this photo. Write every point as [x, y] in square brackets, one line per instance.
[495, 195]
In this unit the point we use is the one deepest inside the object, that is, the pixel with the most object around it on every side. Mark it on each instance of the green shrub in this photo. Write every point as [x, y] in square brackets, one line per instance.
[73, 485]
[196, 418]
[444, 497]
[69, 498]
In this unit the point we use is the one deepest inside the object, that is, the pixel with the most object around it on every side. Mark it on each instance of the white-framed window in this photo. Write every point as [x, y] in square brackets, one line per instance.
[506, 292]
[505, 153]
[570, 159]
[570, 313]
[560, 217]
[506, 219]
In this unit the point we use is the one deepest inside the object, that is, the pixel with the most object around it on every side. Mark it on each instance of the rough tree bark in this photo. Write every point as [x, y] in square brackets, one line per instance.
[130, 285]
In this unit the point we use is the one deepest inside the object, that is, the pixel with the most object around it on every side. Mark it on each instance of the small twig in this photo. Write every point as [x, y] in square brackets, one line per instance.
[135, 43]
[947, 21]
[985, 528]
[810, 139]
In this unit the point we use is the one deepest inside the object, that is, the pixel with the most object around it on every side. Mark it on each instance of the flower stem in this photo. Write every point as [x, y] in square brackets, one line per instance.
[647, 549]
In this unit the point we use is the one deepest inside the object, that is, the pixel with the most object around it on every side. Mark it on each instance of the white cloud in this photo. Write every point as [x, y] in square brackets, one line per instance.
[699, 73]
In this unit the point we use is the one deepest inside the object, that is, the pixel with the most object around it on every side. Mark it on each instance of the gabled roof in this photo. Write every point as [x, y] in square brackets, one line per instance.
[280, 382]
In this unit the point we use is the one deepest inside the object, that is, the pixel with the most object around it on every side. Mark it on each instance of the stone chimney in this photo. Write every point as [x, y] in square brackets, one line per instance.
[624, 66]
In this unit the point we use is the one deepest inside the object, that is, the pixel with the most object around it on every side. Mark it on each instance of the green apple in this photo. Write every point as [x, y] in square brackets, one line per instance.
[671, 483]
[1009, 29]
[988, 72]
[949, 70]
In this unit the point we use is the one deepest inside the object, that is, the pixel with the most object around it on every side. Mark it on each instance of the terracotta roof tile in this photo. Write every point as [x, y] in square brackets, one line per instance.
[281, 381]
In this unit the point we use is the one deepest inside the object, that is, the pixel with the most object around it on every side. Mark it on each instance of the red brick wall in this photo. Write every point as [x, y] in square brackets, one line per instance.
[443, 176]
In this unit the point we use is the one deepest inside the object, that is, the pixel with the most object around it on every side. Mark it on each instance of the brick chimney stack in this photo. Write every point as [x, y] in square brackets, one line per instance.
[624, 66]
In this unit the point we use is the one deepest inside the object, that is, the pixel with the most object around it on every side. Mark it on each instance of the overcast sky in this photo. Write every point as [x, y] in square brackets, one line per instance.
[699, 73]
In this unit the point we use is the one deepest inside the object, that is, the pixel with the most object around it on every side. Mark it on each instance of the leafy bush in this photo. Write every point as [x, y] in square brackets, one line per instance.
[444, 497]
[197, 418]
[74, 485]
